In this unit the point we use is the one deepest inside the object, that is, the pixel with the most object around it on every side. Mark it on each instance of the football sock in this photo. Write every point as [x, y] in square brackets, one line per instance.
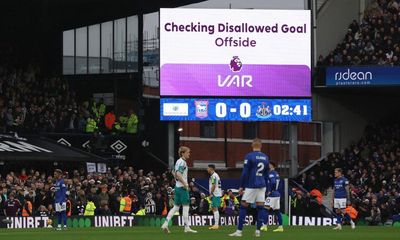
[185, 214]
[59, 218]
[347, 217]
[279, 216]
[266, 219]
[242, 216]
[171, 213]
[339, 218]
[260, 216]
[64, 217]
[216, 217]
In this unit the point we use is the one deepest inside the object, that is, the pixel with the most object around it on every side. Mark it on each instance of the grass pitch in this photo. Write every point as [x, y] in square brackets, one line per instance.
[152, 233]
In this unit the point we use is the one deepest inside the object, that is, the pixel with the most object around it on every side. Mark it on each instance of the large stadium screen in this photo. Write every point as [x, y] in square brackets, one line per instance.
[225, 52]
[214, 53]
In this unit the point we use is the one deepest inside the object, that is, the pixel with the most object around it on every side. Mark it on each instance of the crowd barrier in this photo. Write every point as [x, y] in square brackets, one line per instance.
[122, 221]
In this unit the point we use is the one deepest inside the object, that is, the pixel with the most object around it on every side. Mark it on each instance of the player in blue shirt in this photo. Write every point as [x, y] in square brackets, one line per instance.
[272, 203]
[341, 194]
[253, 182]
[60, 200]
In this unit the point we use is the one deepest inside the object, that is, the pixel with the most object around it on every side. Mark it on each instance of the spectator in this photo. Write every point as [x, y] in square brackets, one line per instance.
[372, 166]
[372, 41]
[299, 204]
[150, 204]
[132, 123]
[193, 207]
[104, 210]
[90, 208]
[3, 199]
[78, 209]
[103, 196]
[160, 204]
[141, 211]
[230, 204]
[126, 205]
[42, 211]
[352, 212]
[12, 206]
[27, 209]
[204, 205]
[83, 187]
[375, 216]
[109, 120]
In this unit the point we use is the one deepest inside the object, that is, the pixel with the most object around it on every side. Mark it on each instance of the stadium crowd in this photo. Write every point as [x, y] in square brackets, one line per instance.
[373, 41]
[372, 167]
[31, 102]
[118, 191]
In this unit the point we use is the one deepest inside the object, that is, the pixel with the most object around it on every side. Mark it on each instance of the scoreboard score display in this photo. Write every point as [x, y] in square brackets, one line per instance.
[235, 65]
[222, 109]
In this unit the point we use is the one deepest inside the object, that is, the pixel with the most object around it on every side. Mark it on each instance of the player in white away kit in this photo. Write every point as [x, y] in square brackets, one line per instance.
[215, 194]
[181, 191]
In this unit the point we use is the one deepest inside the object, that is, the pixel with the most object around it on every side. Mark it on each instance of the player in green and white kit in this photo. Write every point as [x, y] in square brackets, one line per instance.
[215, 194]
[181, 191]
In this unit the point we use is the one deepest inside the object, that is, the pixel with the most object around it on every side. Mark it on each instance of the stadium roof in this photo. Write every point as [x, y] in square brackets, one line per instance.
[66, 14]
[17, 149]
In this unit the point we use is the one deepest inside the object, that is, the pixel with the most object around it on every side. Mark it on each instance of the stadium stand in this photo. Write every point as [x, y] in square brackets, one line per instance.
[33, 103]
[373, 41]
[373, 169]
[151, 192]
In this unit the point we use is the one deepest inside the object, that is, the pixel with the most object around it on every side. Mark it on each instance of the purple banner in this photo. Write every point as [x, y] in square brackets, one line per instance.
[230, 80]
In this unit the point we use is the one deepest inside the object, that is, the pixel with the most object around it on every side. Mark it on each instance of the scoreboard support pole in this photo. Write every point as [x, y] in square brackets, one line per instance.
[286, 195]
[293, 153]
[171, 145]
[226, 144]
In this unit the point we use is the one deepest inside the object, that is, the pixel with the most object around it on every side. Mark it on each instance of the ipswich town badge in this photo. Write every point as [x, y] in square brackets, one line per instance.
[201, 108]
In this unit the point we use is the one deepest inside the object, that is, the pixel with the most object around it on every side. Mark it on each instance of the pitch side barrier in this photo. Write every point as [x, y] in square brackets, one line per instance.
[152, 221]
[122, 221]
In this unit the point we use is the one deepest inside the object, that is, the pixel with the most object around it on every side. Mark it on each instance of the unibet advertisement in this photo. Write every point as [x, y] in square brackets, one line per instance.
[122, 221]
[231, 52]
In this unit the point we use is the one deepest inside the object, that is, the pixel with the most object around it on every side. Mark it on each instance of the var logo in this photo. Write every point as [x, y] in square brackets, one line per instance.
[235, 81]
[239, 81]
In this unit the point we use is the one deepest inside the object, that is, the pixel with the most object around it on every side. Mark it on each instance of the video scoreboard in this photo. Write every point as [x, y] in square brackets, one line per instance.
[235, 65]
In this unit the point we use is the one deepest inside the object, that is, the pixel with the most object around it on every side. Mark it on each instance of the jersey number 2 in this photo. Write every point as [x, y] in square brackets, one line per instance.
[260, 169]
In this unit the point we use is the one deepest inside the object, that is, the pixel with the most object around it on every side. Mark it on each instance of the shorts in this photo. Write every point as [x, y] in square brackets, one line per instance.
[60, 207]
[181, 196]
[339, 203]
[273, 202]
[253, 195]
[215, 202]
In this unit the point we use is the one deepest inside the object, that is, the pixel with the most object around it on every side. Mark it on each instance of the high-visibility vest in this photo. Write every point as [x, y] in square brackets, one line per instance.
[208, 199]
[69, 208]
[94, 109]
[352, 212]
[141, 212]
[89, 210]
[132, 124]
[28, 205]
[125, 205]
[317, 194]
[165, 210]
[102, 109]
[91, 125]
